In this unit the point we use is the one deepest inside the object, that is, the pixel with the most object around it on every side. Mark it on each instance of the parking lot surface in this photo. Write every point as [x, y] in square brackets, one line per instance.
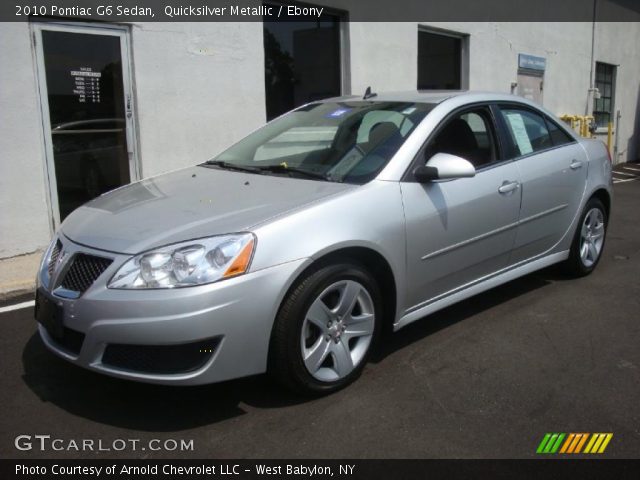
[486, 378]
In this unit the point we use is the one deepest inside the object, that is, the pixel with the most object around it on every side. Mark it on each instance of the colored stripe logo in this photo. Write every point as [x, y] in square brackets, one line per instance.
[574, 443]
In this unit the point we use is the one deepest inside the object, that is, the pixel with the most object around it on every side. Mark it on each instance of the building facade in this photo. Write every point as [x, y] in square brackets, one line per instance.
[87, 107]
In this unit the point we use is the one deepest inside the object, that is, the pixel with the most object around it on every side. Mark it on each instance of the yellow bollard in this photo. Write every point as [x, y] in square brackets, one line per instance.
[579, 123]
[588, 119]
[582, 125]
[572, 120]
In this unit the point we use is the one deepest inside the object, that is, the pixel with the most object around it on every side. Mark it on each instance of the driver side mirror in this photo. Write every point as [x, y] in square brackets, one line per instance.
[443, 166]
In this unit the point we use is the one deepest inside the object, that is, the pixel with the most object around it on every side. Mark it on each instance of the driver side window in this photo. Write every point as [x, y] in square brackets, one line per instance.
[468, 135]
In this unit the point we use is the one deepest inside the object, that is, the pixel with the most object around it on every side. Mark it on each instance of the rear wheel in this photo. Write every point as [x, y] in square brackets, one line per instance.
[588, 241]
[326, 329]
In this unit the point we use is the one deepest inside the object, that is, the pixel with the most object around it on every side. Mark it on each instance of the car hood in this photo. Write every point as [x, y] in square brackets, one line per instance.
[192, 203]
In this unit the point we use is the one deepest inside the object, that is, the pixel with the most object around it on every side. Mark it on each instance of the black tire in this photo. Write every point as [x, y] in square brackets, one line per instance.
[286, 364]
[574, 266]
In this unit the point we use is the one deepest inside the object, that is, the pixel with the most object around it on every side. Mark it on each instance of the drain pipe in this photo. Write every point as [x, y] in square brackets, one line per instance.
[590, 93]
[616, 152]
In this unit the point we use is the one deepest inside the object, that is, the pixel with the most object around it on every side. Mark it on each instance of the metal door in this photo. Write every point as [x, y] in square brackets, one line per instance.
[531, 87]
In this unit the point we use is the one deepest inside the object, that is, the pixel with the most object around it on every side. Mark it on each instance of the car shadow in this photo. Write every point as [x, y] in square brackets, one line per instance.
[446, 317]
[141, 406]
[157, 408]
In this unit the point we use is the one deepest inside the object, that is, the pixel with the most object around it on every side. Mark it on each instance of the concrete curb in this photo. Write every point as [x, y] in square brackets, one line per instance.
[20, 291]
[17, 275]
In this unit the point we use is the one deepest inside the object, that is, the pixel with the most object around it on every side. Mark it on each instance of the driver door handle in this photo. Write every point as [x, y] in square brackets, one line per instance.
[575, 164]
[508, 186]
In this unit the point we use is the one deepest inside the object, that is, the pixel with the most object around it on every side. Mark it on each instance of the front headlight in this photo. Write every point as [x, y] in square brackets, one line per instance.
[186, 264]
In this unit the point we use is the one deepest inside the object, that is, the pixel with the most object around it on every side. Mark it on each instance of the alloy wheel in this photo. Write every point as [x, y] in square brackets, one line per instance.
[591, 237]
[337, 330]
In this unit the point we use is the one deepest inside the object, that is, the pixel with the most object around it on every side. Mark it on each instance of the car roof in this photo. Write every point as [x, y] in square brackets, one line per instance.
[453, 98]
[421, 96]
[438, 96]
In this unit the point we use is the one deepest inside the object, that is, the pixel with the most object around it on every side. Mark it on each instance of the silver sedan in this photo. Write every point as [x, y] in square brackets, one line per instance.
[294, 249]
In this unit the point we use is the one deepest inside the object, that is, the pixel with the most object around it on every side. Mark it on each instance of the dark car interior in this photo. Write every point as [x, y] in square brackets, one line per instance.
[458, 138]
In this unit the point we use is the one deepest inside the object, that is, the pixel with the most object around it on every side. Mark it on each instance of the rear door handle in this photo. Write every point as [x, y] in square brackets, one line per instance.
[508, 186]
[575, 164]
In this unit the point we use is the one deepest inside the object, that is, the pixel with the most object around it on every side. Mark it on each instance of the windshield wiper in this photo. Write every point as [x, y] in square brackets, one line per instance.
[232, 166]
[280, 168]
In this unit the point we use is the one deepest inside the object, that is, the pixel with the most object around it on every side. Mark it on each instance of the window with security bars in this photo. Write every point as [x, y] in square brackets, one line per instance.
[605, 83]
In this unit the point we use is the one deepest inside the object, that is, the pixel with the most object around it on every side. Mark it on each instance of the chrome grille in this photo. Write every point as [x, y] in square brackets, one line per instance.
[84, 270]
[53, 259]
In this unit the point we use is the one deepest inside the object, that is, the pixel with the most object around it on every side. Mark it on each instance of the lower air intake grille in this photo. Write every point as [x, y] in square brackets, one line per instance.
[84, 270]
[71, 341]
[159, 359]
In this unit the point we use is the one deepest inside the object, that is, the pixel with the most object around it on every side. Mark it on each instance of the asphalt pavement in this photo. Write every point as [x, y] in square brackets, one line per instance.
[486, 378]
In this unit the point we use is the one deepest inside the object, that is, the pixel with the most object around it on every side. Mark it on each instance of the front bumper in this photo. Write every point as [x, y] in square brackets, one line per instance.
[232, 318]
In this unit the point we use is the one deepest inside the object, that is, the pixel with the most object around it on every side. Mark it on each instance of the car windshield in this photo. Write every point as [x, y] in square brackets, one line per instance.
[347, 141]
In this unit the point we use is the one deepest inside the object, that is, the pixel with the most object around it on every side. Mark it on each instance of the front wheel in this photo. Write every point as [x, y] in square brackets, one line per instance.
[588, 241]
[326, 329]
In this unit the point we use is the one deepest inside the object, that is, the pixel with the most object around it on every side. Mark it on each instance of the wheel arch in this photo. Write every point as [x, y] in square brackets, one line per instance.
[369, 259]
[379, 268]
[603, 195]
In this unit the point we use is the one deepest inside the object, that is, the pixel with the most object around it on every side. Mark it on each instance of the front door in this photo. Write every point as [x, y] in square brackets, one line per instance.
[87, 112]
[459, 231]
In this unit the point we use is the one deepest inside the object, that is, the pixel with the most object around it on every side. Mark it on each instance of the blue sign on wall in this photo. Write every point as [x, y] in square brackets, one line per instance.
[531, 62]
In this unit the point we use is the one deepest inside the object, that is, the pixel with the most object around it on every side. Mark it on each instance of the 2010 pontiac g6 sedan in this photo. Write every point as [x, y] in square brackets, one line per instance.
[293, 250]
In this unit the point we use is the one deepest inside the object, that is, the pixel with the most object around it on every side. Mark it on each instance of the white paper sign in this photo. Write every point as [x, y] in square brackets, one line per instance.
[520, 133]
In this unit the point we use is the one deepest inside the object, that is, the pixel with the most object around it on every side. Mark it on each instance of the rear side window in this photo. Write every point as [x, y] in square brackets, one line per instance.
[558, 136]
[527, 130]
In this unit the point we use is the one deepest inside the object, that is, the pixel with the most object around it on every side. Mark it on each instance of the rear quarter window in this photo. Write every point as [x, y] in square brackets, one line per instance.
[558, 136]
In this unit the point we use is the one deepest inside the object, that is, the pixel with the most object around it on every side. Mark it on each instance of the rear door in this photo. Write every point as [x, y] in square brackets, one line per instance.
[552, 168]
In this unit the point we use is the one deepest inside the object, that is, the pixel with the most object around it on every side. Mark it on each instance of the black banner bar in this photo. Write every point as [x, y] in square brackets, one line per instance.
[287, 10]
[542, 468]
